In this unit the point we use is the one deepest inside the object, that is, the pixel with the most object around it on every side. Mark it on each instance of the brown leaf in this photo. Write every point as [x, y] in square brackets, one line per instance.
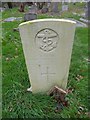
[65, 103]
[80, 109]
[69, 90]
[7, 59]
[88, 113]
[16, 56]
[79, 77]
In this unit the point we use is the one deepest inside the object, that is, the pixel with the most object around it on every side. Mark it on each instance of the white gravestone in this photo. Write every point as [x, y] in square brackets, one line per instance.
[47, 46]
[64, 7]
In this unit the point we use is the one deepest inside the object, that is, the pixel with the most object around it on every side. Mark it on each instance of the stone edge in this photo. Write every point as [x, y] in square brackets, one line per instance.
[45, 20]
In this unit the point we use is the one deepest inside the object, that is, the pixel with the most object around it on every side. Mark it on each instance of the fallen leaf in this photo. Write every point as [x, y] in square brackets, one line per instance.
[69, 90]
[7, 59]
[16, 56]
[65, 103]
[10, 109]
[16, 49]
[79, 113]
[81, 109]
[88, 114]
[79, 77]
[87, 59]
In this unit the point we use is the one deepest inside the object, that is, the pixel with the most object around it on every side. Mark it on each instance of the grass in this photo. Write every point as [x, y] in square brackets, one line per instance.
[10, 13]
[78, 8]
[17, 102]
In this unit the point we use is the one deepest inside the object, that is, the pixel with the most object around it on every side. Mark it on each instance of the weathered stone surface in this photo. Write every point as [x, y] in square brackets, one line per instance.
[47, 45]
[55, 7]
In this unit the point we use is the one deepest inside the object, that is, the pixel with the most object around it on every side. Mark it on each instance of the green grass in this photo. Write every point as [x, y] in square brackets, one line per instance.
[17, 102]
[78, 8]
[13, 13]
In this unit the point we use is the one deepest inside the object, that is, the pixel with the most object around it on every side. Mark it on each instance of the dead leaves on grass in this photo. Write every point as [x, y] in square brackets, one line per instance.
[7, 59]
[83, 110]
[10, 58]
[15, 56]
[79, 77]
[69, 90]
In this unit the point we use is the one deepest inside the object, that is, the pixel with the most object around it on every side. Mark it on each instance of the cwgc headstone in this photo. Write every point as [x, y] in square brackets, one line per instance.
[33, 9]
[5, 5]
[55, 7]
[47, 46]
[64, 7]
[32, 14]
[44, 9]
[2, 9]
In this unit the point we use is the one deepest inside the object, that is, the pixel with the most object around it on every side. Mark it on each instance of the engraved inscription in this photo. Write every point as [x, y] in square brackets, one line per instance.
[47, 39]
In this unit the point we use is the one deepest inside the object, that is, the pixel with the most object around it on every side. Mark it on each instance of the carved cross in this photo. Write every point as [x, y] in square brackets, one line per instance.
[47, 73]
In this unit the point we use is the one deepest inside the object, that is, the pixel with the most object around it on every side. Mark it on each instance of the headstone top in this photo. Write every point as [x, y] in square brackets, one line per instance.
[49, 20]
